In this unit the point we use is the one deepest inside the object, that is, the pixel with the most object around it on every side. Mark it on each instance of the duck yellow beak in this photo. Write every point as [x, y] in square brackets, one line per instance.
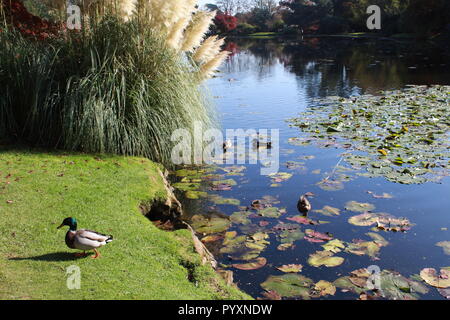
[62, 225]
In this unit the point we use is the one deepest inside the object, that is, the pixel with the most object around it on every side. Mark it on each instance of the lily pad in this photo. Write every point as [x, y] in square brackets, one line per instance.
[430, 276]
[394, 286]
[258, 263]
[329, 211]
[290, 236]
[280, 177]
[334, 246]
[316, 237]
[295, 165]
[191, 194]
[285, 246]
[221, 200]
[186, 186]
[363, 220]
[221, 187]
[230, 182]
[271, 212]
[294, 268]
[289, 285]
[359, 206]
[370, 248]
[324, 258]
[378, 238]
[445, 245]
[233, 170]
[330, 185]
[271, 295]
[210, 223]
[303, 220]
[212, 238]
[383, 221]
[323, 288]
[445, 293]
[240, 217]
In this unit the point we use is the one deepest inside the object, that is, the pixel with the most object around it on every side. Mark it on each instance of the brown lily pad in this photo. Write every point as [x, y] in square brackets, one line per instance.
[257, 263]
[294, 268]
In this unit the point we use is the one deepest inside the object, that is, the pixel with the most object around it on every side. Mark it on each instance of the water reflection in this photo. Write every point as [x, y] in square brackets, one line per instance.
[343, 66]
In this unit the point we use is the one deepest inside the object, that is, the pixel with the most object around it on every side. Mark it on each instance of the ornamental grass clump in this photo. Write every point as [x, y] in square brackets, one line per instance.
[122, 84]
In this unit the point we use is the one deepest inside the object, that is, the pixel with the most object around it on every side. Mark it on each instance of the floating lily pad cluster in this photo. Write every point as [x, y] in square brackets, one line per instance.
[194, 181]
[213, 222]
[368, 284]
[386, 284]
[279, 177]
[289, 285]
[400, 135]
[245, 247]
[381, 221]
[292, 285]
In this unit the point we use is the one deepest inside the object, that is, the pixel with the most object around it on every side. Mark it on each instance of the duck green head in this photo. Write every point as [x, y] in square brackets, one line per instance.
[71, 222]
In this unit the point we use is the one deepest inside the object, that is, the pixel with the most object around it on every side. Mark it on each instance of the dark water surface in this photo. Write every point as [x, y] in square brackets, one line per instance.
[267, 82]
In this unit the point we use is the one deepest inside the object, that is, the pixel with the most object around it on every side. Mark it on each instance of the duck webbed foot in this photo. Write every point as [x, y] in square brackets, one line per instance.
[97, 254]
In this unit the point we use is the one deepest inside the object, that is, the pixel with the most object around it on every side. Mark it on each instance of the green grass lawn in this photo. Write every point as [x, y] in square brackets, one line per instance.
[38, 190]
[263, 35]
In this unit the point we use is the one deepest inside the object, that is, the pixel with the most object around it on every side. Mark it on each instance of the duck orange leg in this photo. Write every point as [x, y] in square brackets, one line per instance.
[97, 254]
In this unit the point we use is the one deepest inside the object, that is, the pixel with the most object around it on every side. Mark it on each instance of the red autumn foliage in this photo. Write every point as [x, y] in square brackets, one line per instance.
[29, 25]
[225, 22]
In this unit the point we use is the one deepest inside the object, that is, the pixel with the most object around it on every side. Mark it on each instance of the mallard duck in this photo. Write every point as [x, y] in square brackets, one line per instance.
[257, 143]
[227, 145]
[83, 239]
[303, 205]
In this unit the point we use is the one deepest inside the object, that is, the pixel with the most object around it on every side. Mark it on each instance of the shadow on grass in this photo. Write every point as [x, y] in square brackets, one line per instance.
[55, 256]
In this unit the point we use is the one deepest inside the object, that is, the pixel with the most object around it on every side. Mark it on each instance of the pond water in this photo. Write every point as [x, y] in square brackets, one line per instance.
[267, 82]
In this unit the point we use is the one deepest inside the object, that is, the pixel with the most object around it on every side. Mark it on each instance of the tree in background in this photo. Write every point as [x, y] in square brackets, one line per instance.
[233, 7]
[307, 14]
[421, 17]
[354, 11]
[426, 17]
[225, 22]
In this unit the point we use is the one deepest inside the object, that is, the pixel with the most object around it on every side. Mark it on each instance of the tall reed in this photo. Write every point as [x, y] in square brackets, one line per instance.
[118, 86]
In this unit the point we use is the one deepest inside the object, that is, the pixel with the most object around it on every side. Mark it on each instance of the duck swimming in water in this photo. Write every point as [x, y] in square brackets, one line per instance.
[83, 239]
[303, 204]
[227, 145]
[257, 143]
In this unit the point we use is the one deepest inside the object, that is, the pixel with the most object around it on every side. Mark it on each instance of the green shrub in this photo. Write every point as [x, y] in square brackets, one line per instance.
[245, 28]
[333, 25]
